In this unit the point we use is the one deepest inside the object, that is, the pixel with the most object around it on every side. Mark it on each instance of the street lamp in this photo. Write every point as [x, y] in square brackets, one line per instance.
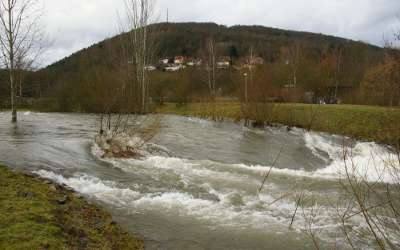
[245, 87]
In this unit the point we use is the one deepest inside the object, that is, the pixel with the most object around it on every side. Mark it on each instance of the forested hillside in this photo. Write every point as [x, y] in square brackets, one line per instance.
[189, 39]
[323, 63]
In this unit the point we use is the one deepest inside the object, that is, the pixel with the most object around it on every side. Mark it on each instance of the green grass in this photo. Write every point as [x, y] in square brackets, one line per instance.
[31, 217]
[361, 122]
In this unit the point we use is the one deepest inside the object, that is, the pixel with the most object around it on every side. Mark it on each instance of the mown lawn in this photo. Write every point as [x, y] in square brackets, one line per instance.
[35, 214]
[361, 122]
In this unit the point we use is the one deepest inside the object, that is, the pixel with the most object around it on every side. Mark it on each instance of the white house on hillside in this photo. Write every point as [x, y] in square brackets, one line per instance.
[173, 68]
[164, 61]
[179, 60]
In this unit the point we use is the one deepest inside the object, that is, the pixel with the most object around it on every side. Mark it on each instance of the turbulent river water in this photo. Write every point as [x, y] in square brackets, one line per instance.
[199, 190]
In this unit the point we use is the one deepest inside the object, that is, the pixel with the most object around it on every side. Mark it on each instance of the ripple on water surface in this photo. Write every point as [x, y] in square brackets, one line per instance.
[198, 188]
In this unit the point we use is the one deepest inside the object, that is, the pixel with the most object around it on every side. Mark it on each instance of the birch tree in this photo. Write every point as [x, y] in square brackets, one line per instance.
[20, 34]
[139, 14]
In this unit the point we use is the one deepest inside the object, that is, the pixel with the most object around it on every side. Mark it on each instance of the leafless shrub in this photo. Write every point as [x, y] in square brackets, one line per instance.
[123, 129]
[309, 214]
[314, 114]
[377, 203]
[372, 204]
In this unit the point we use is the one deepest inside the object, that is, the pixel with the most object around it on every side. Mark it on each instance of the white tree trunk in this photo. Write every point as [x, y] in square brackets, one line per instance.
[19, 32]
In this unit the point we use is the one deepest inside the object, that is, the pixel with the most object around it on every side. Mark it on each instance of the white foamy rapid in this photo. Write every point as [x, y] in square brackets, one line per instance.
[365, 160]
[105, 191]
[229, 208]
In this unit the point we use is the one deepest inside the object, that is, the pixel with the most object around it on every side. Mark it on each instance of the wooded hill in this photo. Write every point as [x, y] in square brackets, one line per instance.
[66, 77]
[189, 39]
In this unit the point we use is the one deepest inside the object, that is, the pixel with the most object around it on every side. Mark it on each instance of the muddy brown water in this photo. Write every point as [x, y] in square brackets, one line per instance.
[198, 188]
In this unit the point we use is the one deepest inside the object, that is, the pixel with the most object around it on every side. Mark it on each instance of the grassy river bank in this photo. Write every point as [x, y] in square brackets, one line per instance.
[367, 123]
[38, 214]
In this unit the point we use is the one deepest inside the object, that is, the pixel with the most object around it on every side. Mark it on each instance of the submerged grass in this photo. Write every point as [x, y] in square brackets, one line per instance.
[36, 214]
[361, 122]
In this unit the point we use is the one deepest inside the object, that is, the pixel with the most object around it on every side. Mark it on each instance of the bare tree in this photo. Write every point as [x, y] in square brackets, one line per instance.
[20, 33]
[140, 49]
[211, 66]
[210, 58]
[123, 132]
[293, 56]
[338, 58]
[26, 63]
[251, 63]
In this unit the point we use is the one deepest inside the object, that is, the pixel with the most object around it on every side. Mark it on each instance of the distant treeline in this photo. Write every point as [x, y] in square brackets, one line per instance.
[298, 67]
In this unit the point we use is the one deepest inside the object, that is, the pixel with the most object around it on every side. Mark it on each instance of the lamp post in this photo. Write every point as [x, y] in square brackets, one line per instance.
[245, 88]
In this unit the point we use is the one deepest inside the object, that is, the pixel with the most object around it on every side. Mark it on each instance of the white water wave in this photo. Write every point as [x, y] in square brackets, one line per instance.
[364, 160]
[253, 213]
[233, 208]
[202, 122]
[188, 170]
[370, 162]
[105, 191]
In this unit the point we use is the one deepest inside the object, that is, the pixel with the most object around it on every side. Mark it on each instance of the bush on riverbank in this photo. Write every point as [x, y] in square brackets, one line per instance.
[36, 214]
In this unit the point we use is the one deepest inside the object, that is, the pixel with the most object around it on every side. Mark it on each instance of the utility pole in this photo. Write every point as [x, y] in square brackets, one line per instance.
[167, 15]
[245, 88]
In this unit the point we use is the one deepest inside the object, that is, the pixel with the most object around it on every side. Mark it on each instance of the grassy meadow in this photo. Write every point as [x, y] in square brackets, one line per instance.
[368, 123]
[35, 214]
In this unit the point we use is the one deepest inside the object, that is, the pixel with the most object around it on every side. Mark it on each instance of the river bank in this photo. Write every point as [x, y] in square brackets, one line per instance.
[39, 214]
[367, 123]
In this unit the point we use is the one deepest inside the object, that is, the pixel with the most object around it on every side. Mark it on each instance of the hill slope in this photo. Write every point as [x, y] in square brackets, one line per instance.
[72, 79]
[189, 39]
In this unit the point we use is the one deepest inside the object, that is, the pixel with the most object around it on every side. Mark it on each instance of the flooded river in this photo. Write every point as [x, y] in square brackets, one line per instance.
[200, 189]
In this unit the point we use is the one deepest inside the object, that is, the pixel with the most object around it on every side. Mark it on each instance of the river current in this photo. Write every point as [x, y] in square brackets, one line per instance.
[199, 190]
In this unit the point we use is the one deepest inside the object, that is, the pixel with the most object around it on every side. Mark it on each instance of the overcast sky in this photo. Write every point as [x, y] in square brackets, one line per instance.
[76, 24]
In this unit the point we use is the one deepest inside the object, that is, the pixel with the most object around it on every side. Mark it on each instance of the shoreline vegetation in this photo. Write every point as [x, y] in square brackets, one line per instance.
[38, 214]
[367, 123]
[361, 122]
